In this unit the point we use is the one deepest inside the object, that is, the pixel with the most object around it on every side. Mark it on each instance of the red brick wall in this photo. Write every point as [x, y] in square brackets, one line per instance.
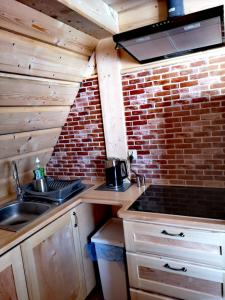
[175, 118]
[80, 150]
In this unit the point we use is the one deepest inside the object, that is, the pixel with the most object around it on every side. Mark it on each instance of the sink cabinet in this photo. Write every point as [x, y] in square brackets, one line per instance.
[12, 278]
[53, 263]
[55, 260]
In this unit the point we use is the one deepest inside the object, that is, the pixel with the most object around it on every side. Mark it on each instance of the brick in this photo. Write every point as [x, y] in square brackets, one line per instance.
[152, 78]
[160, 71]
[137, 92]
[170, 86]
[188, 83]
[179, 79]
[87, 84]
[170, 75]
[161, 82]
[144, 85]
[129, 87]
[198, 63]
[217, 85]
[199, 75]
[217, 60]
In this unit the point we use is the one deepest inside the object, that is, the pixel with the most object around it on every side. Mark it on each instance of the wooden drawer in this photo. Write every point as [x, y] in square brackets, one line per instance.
[176, 242]
[141, 295]
[174, 278]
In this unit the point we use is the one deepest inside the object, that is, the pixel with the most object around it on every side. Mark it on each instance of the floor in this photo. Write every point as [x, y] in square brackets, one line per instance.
[96, 294]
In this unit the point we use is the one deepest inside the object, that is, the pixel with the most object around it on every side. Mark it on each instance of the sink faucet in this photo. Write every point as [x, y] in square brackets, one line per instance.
[19, 191]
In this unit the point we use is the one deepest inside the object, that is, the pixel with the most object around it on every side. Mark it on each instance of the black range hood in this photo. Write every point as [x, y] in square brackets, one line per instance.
[175, 36]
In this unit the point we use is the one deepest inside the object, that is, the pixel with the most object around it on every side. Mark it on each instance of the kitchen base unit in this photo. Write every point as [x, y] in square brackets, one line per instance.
[53, 263]
[12, 277]
[170, 262]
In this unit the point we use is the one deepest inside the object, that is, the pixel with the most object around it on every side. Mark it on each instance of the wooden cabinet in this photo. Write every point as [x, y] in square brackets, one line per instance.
[194, 245]
[175, 278]
[175, 262]
[12, 278]
[53, 262]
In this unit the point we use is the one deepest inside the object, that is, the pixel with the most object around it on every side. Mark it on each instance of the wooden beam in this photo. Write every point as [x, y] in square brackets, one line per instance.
[18, 90]
[20, 119]
[25, 142]
[93, 17]
[30, 57]
[96, 11]
[20, 18]
[110, 87]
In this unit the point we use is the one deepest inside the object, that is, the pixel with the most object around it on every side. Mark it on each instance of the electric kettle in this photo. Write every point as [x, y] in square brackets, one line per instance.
[115, 172]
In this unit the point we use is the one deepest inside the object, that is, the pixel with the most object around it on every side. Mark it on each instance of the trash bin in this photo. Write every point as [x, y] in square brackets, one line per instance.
[110, 251]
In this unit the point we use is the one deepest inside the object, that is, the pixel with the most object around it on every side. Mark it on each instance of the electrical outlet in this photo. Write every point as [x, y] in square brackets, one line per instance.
[133, 152]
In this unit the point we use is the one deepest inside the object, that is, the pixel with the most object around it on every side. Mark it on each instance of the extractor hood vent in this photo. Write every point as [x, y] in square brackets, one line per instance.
[174, 37]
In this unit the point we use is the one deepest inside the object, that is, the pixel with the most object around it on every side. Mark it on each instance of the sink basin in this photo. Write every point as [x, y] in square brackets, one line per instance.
[16, 215]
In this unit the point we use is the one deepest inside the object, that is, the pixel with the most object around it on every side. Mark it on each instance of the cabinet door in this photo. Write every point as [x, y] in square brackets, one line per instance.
[175, 278]
[52, 262]
[12, 278]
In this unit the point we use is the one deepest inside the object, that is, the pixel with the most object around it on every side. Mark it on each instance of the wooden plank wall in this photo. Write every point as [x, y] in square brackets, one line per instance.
[42, 62]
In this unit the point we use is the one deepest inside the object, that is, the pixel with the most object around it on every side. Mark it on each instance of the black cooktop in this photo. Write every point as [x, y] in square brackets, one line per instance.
[184, 201]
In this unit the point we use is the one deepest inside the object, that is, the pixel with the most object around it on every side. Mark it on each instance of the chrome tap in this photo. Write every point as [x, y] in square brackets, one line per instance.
[19, 191]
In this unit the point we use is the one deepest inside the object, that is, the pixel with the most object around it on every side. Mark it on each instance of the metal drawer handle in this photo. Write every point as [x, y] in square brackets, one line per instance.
[183, 269]
[75, 220]
[181, 234]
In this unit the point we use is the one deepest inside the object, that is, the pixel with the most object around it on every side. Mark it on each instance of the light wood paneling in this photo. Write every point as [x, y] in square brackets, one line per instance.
[20, 18]
[25, 162]
[17, 90]
[12, 279]
[25, 142]
[134, 14]
[34, 118]
[30, 57]
[7, 185]
[52, 262]
[191, 6]
[110, 87]
[94, 17]
[142, 14]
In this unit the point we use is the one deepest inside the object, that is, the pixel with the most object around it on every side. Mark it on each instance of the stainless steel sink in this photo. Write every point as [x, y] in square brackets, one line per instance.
[17, 214]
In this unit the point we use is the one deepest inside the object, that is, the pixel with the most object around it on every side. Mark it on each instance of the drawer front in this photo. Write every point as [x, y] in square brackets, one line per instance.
[141, 295]
[174, 278]
[183, 243]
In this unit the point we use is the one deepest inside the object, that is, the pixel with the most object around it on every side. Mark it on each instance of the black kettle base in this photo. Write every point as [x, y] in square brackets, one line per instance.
[121, 188]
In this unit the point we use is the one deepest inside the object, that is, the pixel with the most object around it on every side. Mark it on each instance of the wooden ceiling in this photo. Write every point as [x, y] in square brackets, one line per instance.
[103, 18]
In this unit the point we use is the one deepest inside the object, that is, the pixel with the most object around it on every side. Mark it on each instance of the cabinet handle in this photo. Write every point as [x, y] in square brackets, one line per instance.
[183, 269]
[75, 218]
[181, 234]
